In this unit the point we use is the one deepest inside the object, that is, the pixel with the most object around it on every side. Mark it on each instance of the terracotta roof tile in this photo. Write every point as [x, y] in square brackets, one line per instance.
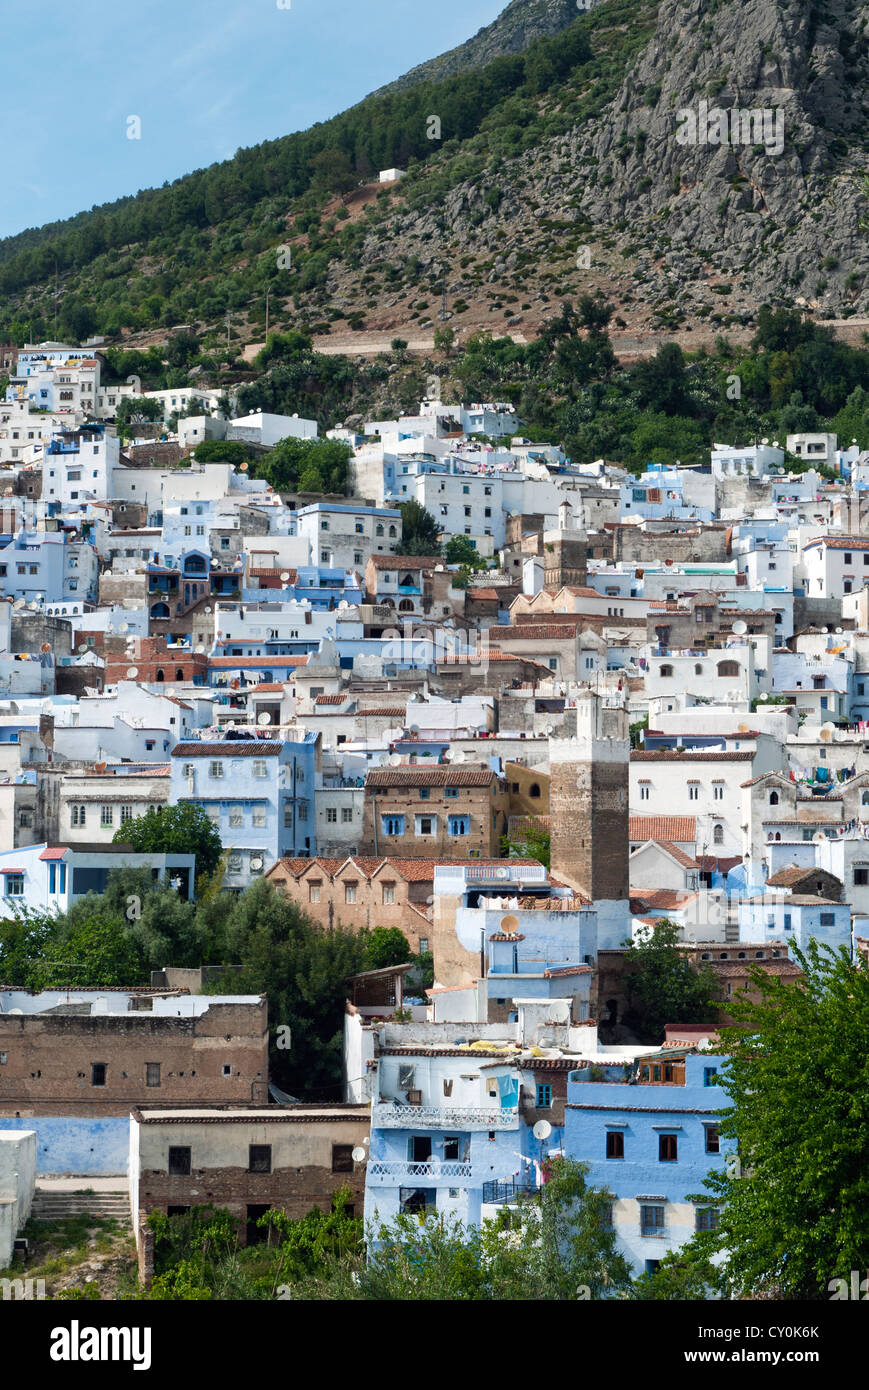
[233, 748]
[405, 562]
[430, 777]
[666, 755]
[669, 828]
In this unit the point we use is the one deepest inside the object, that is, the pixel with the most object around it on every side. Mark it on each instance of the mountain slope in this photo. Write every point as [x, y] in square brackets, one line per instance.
[514, 29]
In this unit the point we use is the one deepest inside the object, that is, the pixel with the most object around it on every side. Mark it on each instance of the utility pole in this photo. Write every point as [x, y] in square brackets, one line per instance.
[268, 297]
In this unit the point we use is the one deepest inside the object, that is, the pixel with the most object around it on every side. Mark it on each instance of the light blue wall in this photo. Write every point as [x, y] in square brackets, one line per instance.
[78, 1144]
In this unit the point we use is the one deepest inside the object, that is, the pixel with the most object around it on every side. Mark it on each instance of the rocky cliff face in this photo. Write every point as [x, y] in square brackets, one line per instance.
[516, 26]
[680, 227]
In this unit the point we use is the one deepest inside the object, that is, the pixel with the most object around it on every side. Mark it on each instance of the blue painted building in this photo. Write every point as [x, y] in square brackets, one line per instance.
[258, 792]
[649, 1133]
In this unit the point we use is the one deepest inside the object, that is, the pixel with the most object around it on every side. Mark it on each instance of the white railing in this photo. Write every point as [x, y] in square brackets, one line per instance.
[460, 1117]
[377, 1169]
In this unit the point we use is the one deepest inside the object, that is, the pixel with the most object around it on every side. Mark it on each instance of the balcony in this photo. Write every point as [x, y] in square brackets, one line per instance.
[392, 1174]
[409, 589]
[509, 1190]
[460, 1117]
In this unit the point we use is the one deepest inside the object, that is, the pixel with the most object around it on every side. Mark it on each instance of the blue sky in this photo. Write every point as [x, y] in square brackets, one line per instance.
[204, 76]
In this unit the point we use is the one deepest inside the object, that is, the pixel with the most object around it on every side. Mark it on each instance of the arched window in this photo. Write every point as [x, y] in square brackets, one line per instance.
[773, 798]
[179, 674]
[728, 668]
[378, 530]
[698, 669]
[534, 789]
[665, 670]
[393, 533]
[406, 605]
[159, 610]
[718, 835]
[778, 834]
[864, 799]
[159, 676]
[386, 603]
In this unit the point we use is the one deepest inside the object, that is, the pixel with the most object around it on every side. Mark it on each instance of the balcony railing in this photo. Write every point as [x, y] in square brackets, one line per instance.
[509, 1190]
[422, 1174]
[459, 1117]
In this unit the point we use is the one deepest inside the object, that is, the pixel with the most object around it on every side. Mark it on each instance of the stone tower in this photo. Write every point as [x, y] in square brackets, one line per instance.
[565, 558]
[588, 811]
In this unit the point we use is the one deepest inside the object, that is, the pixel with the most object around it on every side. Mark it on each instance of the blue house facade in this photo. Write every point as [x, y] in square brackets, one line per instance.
[259, 793]
[649, 1134]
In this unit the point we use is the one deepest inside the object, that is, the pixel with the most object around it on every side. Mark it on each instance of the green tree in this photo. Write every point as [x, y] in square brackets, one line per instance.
[89, 946]
[461, 551]
[386, 946]
[531, 841]
[136, 409]
[444, 339]
[222, 451]
[795, 1210]
[333, 172]
[294, 464]
[181, 829]
[661, 984]
[419, 530]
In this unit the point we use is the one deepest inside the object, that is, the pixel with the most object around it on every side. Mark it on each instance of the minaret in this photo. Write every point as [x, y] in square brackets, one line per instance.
[588, 811]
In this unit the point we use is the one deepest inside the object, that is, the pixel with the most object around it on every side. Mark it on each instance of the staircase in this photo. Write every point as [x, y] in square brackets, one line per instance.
[52, 1204]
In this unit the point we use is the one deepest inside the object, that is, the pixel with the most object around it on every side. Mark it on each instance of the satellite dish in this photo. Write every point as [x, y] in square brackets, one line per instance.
[125, 627]
[46, 647]
[200, 649]
[207, 608]
[542, 1130]
[171, 690]
[839, 630]
[764, 441]
[19, 603]
[285, 577]
[509, 924]
[460, 756]
[740, 627]
[502, 873]
[81, 649]
[358, 1154]
[394, 760]
[414, 729]
[827, 732]
[764, 695]
[264, 718]
[743, 729]
[818, 837]
[132, 673]
[242, 467]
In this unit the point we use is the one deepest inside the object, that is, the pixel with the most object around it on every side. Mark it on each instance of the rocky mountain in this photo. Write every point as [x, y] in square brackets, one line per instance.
[515, 28]
[639, 201]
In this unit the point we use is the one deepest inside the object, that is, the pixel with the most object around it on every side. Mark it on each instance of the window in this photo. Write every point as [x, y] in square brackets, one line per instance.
[98, 1073]
[424, 793]
[861, 875]
[728, 668]
[259, 768]
[693, 791]
[706, 1218]
[126, 814]
[342, 1158]
[717, 792]
[259, 1158]
[459, 825]
[423, 945]
[388, 894]
[544, 1097]
[651, 1220]
[452, 793]
[425, 825]
[331, 815]
[615, 1144]
[350, 892]
[216, 770]
[710, 1076]
[393, 825]
[236, 815]
[227, 1069]
[644, 791]
[152, 1073]
[258, 818]
[667, 1148]
[665, 671]
[314, 891]
[346, 815]
[713, 1139]
[828, 919]
[106, 815]
[451, 1148]
[718, 835]
[179, 1161]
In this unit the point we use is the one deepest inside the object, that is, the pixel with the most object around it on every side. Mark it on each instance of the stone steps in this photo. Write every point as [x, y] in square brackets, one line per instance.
[60, 1206]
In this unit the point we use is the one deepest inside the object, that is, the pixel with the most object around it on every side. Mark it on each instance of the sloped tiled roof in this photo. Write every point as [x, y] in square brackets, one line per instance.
[430, 777]
[669, 828]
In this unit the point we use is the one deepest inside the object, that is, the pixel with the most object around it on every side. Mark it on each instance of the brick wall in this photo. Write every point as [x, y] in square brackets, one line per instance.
[50, 1059]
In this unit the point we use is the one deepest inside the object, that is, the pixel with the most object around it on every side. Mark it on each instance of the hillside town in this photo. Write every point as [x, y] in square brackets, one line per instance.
[519, 709]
